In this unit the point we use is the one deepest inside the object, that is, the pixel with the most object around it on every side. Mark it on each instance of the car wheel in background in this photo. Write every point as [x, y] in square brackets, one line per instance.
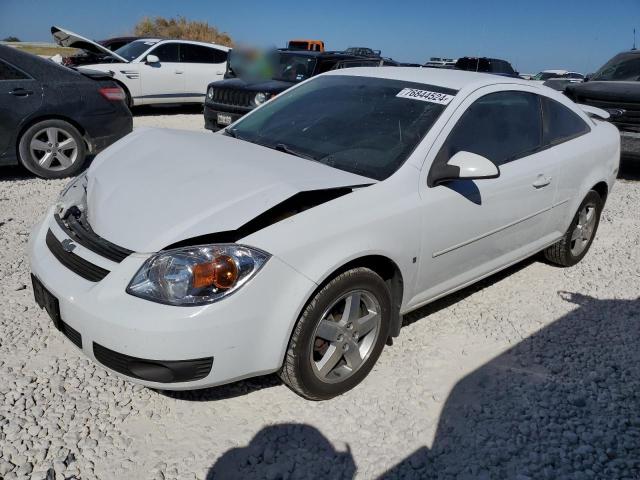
[578, 238]
[52, 149]
[339, 335]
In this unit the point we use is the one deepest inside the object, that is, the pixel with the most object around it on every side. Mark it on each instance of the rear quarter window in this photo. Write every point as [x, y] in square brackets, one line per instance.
[560, 123]
[8, 72]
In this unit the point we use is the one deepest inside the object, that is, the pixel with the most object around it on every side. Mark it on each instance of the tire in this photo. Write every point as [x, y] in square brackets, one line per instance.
[307, 366]
[41, 149]
[581, 233]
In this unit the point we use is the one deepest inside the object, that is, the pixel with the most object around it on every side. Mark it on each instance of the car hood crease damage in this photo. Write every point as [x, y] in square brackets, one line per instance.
[219, 189]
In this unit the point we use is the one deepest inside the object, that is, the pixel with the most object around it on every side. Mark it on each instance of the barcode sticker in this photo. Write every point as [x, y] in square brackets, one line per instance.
[425, 96]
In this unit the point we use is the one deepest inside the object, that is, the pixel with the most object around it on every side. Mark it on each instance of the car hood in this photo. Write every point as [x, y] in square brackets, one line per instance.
[157, 187]
[268, 86]
[66, 38]
[606, 90]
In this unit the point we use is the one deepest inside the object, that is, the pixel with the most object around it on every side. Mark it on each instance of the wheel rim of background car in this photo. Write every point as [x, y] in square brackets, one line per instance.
[53, 148]
[345, 336]
[583, 231]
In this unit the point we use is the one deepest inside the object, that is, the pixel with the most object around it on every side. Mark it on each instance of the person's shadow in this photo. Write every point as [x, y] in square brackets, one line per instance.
[292, 451]
[562, 404]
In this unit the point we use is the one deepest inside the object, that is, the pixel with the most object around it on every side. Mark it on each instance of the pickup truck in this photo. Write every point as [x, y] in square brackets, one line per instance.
[615, 87]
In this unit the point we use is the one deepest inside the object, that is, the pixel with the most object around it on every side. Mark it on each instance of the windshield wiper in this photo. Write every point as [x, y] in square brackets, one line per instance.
[283, 147]
[230, 132]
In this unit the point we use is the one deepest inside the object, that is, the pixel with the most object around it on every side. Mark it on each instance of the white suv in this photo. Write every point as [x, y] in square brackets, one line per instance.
[153, 71]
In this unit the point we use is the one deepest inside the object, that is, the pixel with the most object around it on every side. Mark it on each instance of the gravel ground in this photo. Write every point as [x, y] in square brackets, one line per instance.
[534, 373]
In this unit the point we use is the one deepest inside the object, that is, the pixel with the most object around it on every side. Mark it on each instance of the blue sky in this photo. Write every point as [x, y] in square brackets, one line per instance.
[534, 34]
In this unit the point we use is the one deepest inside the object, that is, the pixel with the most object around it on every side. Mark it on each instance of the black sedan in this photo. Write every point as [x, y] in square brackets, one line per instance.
[52, 117]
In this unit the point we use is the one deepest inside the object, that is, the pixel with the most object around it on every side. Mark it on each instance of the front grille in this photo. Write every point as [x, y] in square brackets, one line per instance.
[73, 262]
[629, 119]
[71, 334]
[161, 371]
[231, 96]
[82, 233]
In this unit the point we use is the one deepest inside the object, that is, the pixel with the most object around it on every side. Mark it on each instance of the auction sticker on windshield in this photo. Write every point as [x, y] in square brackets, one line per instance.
[425, 96]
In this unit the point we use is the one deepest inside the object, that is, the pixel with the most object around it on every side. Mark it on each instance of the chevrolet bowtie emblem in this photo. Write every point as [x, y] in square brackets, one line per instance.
[68, 246]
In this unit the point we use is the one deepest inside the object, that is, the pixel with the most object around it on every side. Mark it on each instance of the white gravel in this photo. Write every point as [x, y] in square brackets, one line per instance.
[535, 373]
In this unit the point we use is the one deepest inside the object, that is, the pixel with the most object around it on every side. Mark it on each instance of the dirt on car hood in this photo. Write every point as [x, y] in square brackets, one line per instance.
[67, 38]
[158, 187]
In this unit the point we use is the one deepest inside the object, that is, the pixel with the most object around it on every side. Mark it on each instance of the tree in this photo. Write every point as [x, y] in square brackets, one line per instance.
[11, 39]
[181, 28]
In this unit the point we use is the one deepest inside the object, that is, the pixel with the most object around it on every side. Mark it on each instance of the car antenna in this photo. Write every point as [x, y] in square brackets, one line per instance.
[634, 39]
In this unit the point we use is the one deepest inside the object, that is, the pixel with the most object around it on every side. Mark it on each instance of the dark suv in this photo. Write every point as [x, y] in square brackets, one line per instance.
[486, 65]
[229, 99]
[616, 88]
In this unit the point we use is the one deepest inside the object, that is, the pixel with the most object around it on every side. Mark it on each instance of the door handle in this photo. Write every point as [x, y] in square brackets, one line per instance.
[21, 92]
[179, 71]
[541, 181]
[219, 73]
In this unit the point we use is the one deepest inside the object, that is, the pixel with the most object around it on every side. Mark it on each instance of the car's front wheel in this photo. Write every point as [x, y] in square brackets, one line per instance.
[52, 149]
[579, 237]
[339, 335]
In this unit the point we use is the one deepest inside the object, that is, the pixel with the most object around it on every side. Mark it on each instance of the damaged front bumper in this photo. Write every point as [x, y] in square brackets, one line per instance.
[163, 346]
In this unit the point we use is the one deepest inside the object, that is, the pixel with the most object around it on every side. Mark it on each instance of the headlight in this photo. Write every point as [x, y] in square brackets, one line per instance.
[260, 98]
[210, 93]
[196, 275]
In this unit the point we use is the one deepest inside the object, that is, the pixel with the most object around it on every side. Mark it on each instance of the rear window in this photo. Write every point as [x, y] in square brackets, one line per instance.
[560, 123]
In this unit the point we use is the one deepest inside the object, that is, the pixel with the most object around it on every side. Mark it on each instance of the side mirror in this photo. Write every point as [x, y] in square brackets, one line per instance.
[463, 166]
[152, 59]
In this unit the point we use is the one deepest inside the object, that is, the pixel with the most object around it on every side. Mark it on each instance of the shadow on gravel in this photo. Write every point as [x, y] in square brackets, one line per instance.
[148, 110]
[562, 404]
[14, 172]
[629, 167]
[279, 451]
[224, 392]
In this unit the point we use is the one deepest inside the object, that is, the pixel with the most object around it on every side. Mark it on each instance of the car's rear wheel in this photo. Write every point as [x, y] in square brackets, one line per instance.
[52, 149]
[339, 335]
[576, 241]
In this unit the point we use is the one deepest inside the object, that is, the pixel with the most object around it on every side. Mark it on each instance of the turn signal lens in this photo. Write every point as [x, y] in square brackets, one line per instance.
[222, 273]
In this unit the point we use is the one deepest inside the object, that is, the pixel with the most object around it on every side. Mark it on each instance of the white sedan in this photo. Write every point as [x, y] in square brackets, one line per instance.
[155, 71]
[295, 240]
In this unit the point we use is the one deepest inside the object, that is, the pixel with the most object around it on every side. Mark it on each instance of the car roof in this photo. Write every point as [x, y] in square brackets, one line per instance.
[440, 77]
[180, 40]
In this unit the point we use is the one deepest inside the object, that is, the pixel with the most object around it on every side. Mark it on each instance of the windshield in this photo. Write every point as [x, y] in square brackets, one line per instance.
[133, 50]
[275, 65]
[547, 76]
[621, 67]
[366, 126]
[292, 67]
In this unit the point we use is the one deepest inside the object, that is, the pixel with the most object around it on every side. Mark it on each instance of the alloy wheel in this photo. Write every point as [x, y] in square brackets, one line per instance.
[53, 148]
[345, 336]
[584, 229]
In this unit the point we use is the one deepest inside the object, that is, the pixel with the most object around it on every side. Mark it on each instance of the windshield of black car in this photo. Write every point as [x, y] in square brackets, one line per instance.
[367, 126]
[621, 67]
[133, 50]
[292, 67]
